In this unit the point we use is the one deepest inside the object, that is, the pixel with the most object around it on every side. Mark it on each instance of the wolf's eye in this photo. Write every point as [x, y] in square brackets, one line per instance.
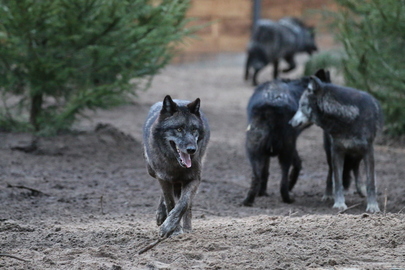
[179, 129]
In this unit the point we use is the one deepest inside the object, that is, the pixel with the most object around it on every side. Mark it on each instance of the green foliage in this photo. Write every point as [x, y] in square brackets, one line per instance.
[61, 57]
[332, 59]
[372, 34]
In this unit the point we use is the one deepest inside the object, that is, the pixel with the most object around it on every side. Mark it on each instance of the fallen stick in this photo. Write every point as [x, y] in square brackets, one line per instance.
[350, 207]
[151, 245]
[12, 256]
[33, 190]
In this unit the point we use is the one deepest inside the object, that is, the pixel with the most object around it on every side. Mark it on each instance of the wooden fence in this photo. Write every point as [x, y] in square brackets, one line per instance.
[230, 22]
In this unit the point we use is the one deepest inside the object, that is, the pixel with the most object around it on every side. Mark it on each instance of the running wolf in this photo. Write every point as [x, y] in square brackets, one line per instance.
[175, 135]
[351, 119]
[269, 134]
[272, 41]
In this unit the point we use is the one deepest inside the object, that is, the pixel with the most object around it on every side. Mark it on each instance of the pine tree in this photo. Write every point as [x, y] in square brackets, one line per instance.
[372, 33]
[61, 57]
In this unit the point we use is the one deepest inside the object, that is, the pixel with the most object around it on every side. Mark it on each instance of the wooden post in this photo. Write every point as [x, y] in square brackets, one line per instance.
[257, 6]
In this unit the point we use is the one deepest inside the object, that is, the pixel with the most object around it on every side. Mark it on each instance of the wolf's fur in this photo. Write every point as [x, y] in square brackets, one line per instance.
[175, 134]
[268, 135]
[350, 163]
[351, 120]
[272, 41]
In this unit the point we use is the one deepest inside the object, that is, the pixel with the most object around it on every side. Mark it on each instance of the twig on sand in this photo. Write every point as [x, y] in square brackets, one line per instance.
[151, 245]
[350, 207]
[34, 192]
[207, 211]
[12, 256]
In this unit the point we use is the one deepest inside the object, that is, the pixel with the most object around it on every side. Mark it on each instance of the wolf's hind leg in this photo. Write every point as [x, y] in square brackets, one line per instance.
[260, 170]
[264, 178]
[337, 162]
[295, 172]
[255, 74]
[328, 195]
[291, 63]
[161, 212]
[329, 186]
[372, 204]
[247, 66]
[285, 160]
[361, 189]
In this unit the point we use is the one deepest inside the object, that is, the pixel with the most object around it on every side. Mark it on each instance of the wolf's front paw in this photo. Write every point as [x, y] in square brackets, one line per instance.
[340, 205]
[263, 194]
[179, 230]
[373, 208]
[288, 197]
[247, 202]
[167, 229]
[160, 217]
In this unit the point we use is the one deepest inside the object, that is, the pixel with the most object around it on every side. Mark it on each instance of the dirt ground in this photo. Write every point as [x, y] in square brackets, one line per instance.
[95, 208]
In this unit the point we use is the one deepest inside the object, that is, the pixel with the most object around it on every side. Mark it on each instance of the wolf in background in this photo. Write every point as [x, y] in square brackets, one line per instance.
[269, 134]
[175, 136]
[272, 41]
[351, 120]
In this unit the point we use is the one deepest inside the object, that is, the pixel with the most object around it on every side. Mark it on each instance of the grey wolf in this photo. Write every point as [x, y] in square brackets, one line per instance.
[272, 41]
[175, 137]
[351, 120]
[269, 134]
[350, 164]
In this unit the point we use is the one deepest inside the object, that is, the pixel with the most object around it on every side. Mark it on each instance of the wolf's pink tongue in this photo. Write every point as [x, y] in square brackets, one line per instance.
[186, 159]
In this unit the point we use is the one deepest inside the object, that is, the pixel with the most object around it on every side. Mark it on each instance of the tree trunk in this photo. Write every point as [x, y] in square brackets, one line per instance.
[36, 108]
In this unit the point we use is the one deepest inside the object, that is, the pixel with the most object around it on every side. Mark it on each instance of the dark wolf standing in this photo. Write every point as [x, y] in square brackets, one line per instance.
[350, 164]
[351, 119]
[175, 134]
[272, 41]
[269, 134]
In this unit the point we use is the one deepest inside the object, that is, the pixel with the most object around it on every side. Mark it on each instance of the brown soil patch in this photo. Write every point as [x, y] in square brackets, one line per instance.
[97, 202]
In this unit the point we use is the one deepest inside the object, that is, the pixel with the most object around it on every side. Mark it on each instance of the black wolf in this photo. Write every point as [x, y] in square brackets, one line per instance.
[269, 134]
[272, 41]
[175, 134]
[351, 120]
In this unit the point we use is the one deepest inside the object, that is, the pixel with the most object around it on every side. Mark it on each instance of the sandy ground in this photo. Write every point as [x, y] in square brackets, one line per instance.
[96, 205]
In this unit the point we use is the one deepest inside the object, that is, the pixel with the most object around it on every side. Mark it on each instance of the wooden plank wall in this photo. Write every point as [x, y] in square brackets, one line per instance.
[231, 22]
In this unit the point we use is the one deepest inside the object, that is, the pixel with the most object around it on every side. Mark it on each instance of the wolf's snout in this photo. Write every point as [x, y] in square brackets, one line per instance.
[298, 119]
[191, 150]
[295, 123]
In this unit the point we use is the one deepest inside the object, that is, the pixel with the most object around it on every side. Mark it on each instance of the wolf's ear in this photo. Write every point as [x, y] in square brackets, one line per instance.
[194, 107]
[169, 106]
[314, 85]
[323, 75]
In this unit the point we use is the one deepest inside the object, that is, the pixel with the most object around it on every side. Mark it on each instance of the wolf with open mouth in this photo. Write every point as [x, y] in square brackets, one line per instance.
[175, 137]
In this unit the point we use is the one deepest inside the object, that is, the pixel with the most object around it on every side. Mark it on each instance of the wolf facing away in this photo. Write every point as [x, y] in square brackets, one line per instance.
[351, 119]
[272, 41]
[175, 137]
[270, 135]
